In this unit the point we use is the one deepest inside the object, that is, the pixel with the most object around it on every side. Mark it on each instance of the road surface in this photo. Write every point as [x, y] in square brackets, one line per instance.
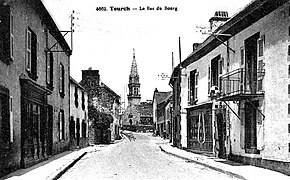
[138, 157]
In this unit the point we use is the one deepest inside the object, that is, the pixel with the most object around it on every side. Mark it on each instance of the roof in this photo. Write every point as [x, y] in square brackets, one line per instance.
[250, 14]
[246, 17]
[161, 96]
[103, 85]
[146, 109]
[51, 25]
[76, 83]
[134, 70]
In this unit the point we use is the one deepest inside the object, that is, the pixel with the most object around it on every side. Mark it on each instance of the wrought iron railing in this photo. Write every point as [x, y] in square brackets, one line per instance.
[241, 81]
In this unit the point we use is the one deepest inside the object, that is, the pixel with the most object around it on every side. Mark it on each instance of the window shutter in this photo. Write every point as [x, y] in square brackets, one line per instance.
[4, 32]
[34, 55]
[63, 125]
[188, 89]
[48, 67]
[5, 118]
[63, 80]
[209, 85]
[11, 119]
[196, 86]
[28, 49]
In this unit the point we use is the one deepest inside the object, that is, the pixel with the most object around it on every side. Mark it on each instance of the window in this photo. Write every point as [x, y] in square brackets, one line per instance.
[289, 109]
[135, 91]
[4, 115]
[83, 100]
[72, 127]
[76, 97]
[61, 125]
[288, 50]
[31, 54]
[49, 70]
[288, 128]
[84, 128]
[6, 34]
[61, 80]
[193, 87]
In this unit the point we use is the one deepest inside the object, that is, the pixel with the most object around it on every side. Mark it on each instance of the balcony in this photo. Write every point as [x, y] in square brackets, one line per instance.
[241, 84]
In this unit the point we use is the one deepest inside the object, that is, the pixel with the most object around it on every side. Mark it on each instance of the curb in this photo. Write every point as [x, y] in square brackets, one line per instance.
[58, 175]
[204, 164]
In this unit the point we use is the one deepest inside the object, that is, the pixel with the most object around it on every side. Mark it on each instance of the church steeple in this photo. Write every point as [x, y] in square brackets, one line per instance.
[134, 95]
[134, 77]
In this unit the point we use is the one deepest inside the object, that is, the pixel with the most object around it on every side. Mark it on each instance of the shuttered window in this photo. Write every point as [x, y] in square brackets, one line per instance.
[6, 34]
[31, 54]
[61, 80]
[61, 125]
[49, 70]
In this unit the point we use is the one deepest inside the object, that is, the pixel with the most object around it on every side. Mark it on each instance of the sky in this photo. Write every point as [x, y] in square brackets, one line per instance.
[104, 40]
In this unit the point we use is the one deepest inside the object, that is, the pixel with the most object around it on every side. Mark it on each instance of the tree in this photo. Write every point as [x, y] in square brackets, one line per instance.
[100, 120]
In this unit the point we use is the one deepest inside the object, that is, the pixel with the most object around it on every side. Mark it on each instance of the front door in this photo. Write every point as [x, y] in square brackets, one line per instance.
[251, 127]
[221, 128]
[49, 130]
[78, 131]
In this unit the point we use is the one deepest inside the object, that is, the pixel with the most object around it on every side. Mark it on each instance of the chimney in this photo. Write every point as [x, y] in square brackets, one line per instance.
[218, 19]
[93, 74]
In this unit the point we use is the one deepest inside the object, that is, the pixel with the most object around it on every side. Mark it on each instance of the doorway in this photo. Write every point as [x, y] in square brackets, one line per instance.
[251, 63]
[49, 130]
[251, 127]
[221, 129]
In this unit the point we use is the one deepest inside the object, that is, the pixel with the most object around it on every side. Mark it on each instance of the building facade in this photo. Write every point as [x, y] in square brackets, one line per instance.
[34, 85]
[78, 123]
[236, 89]
[137, 115]
[162, 112]
[132, 111]
[105, 100]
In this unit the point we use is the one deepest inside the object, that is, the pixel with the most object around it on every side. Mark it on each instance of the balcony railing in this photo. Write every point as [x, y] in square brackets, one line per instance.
[242, 82]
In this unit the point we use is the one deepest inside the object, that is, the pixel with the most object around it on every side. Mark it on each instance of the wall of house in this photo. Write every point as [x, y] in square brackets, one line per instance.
[272, 135]
[79, 112]
[25, 16]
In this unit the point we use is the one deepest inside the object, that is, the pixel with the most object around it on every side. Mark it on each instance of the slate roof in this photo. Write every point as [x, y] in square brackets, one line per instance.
[146, 109]
[162, 96]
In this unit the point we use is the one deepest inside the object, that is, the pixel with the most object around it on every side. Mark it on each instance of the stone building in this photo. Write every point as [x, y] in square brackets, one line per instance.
[137, 113]
[78, 123]
[234, 88]
[34, 85]
[104, 99]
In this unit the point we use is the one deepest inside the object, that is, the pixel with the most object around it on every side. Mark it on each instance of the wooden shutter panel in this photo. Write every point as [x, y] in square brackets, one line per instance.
[4, 32]
[34, 55]
[51, 68]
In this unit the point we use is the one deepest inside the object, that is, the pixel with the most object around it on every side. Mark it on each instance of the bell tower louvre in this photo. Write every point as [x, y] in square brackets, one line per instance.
[134, 95]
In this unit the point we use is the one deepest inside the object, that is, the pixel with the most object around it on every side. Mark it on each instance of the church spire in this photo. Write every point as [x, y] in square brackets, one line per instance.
[134, 95]
[134, 70]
